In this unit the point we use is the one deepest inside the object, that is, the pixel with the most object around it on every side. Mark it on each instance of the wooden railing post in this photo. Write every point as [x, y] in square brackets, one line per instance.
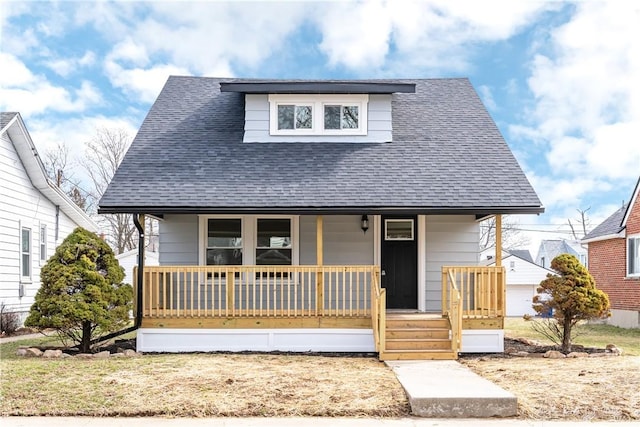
[319, 262]
[230, 286]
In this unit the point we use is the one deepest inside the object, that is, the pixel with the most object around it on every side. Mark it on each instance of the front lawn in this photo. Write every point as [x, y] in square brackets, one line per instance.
[586, 334]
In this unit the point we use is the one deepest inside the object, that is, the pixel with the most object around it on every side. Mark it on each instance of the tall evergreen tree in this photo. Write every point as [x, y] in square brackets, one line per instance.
[82, 295]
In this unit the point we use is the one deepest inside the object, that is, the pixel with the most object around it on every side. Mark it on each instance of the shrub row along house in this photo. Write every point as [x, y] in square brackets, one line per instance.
[614, 261]
[320, 216]
[35, 216]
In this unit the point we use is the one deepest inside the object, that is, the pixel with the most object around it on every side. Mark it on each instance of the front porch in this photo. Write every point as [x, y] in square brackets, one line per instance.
[311, 308]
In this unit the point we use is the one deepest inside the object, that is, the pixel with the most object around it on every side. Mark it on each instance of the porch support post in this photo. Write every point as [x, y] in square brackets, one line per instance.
[498, 240]
[319, 262]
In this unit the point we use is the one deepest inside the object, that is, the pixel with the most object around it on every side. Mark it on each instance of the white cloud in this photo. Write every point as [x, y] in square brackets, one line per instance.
[23, 91]
[139, 83]
[67, 66]
[590, 86]
[425, 34]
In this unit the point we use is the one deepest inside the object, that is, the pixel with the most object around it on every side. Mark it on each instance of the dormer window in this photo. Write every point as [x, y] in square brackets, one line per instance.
[318, 114]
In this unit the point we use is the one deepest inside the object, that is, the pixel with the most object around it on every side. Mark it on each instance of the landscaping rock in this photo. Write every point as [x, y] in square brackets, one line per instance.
[576, 354]
[520, 354]
[613, 349]
[52, 354]
[554, 354]
[120, 355]
[21, 351]
[33, 352]
[130, 353]
[102, 355]
[84, 356]
[597, 354]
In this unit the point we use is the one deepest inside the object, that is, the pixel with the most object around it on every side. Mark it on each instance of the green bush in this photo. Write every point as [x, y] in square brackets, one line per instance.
[82, 295]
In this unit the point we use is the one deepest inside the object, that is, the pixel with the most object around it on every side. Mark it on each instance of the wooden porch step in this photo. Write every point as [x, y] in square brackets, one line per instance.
[404, 322]
[417, 336]
[417, 355]
[418, 344]
[417, 333]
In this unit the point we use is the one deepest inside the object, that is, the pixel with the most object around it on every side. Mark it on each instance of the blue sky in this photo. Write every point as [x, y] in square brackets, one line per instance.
[561, 79]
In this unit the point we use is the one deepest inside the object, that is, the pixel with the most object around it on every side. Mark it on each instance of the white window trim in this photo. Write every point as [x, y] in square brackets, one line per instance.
[413, 226]
[317, 103]
[249, 236]
[25, 279]
[42, 244]
[629, 237]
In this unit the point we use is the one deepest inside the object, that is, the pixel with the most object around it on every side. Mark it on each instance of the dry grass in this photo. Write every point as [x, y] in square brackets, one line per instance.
[202, 385]
[603, 388]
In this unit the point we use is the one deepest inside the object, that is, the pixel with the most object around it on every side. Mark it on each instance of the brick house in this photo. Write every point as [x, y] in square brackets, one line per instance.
[614, 261]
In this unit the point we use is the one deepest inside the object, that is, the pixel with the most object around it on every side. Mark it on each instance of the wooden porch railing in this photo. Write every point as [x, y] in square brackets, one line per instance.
[258, 291]
[482, 290]
[378, 311]
[452, 310]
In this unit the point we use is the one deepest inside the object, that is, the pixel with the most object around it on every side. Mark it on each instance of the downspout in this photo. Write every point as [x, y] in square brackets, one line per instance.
[138, 318]
[57, 223]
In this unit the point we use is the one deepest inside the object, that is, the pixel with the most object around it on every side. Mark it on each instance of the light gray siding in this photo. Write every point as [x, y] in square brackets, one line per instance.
[343, 240]
[179, 240]
[256, 125]
[450, 240]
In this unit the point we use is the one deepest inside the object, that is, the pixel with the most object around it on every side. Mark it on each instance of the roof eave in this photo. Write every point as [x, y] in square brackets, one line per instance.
[321, 210]
[619, 235]
[318, 87]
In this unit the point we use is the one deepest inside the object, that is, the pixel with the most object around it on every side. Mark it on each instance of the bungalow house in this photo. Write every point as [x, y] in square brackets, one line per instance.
[320, 216]
[35, 216]
[614, 261]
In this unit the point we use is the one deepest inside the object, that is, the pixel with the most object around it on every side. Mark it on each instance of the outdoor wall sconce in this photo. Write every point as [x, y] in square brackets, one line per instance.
[364, 223]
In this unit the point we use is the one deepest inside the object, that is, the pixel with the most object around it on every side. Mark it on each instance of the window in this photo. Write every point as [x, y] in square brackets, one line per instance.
[25, 253]
[340, 117]
[633, 256]
[273, 245]
[43, 242]
[295, 117]
[398, 229]
[318, 114]
[224, 242]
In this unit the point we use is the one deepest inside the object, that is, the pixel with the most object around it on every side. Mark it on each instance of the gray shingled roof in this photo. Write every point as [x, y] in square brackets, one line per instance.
[523, 254]
[447, 155]
[5, 118]
[611, 225]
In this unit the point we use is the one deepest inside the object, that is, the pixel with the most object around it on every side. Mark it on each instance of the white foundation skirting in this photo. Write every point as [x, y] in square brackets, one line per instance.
[295, 340]
[482, 341]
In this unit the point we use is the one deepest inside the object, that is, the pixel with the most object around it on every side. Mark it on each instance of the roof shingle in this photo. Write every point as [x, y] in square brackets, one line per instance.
[447, 155]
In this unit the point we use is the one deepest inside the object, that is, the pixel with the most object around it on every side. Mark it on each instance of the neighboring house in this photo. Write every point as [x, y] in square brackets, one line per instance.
[549, 249]
[320, 216]
[614, 261]
[35, 215]
[129, 259]
[523, 278]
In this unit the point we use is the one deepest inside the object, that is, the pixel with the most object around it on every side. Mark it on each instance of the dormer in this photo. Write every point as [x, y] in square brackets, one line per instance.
[317, 111]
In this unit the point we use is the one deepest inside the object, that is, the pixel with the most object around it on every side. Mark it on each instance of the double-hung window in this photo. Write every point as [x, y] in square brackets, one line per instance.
[224, 241]
[633, 256]
[25, 253]
[273, 244]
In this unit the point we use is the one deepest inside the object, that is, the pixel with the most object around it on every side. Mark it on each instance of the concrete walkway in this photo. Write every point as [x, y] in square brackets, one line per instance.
[291, 422]
[445, 388]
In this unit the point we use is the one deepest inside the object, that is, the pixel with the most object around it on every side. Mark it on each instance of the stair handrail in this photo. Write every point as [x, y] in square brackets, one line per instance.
[453, 311]
[378, 311]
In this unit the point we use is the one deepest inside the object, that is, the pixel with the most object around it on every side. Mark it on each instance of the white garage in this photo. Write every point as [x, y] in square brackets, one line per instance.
[520, 299]
[523, 278]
